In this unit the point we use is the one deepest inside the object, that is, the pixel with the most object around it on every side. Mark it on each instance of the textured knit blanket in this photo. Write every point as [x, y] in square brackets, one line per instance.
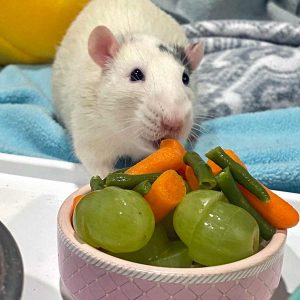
[249, 90]
[248, 66]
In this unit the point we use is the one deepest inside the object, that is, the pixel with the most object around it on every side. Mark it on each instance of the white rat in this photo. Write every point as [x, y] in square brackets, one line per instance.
[121, 81]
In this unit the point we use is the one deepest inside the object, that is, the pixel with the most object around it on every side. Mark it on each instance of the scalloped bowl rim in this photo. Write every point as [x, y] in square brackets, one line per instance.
[94, 255]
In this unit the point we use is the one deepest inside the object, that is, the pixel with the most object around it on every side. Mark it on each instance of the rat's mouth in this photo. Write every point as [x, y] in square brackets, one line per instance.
[155, 143]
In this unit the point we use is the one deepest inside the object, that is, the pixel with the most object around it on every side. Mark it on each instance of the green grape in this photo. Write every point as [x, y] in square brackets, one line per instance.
[216, 232]
[176, 256]
[167, 222]
[114, 219]
[191, 209]
[158, 243]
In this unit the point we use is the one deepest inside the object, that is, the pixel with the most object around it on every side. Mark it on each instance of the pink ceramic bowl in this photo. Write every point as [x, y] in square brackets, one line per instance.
[89, 274]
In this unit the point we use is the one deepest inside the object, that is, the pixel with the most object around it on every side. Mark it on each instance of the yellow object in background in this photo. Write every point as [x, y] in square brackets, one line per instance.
[31, 30]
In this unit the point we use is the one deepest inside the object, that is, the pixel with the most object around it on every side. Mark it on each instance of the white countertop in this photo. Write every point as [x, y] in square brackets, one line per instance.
[31, 192]
[29, 203]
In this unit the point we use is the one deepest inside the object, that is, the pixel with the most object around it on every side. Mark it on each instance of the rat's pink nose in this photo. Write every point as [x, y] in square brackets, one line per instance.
[173, 125]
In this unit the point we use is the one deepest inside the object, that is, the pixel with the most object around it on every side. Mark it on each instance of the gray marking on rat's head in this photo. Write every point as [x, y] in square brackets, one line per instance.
[178, 53]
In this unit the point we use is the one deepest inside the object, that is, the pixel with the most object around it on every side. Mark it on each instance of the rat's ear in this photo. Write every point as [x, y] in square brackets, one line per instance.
[194, 53]
[102, 45]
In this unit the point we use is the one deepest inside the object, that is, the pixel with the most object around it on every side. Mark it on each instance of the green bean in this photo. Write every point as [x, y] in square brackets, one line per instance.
[127, 181]
[96, 183]
[232, 192]
[240, 174]
[143, 187]
[201, 170]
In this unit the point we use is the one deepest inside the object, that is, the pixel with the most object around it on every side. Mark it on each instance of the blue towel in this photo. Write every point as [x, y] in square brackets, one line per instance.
[27, 125]
[268, 142]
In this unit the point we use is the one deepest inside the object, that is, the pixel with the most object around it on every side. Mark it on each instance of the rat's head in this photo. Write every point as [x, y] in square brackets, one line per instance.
[146, 86]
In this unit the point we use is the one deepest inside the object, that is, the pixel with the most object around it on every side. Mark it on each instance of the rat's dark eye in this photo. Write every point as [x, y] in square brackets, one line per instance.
[185, 78]
[137, 75]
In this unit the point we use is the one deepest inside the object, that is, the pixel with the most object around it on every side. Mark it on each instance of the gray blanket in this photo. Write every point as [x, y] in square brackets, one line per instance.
[197, 10]
[249, 66]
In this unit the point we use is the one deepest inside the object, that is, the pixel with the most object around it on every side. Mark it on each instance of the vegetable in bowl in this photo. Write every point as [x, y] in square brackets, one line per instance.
[213, 222]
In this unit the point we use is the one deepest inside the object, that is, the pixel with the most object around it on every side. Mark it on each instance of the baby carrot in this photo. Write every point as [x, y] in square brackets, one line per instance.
[171, 143]
[175, 144]
[182, 170]
[216, 169]
[161, 160]
[76, 200]
[165, 194]
[191, 178]
[276, 211]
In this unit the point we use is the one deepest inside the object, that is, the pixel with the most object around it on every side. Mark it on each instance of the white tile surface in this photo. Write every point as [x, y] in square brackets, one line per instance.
[28, 208]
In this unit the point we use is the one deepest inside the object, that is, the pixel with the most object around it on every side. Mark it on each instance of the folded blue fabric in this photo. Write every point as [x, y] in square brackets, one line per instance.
[268, 142]
[27, 126]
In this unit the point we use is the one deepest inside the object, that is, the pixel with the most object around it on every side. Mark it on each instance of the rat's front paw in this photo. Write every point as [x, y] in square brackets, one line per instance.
[100, 169]
[95, 166]
[97, 159]
[103, 171]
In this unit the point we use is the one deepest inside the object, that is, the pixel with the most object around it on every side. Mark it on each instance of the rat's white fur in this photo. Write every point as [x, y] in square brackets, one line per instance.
[107, 115]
